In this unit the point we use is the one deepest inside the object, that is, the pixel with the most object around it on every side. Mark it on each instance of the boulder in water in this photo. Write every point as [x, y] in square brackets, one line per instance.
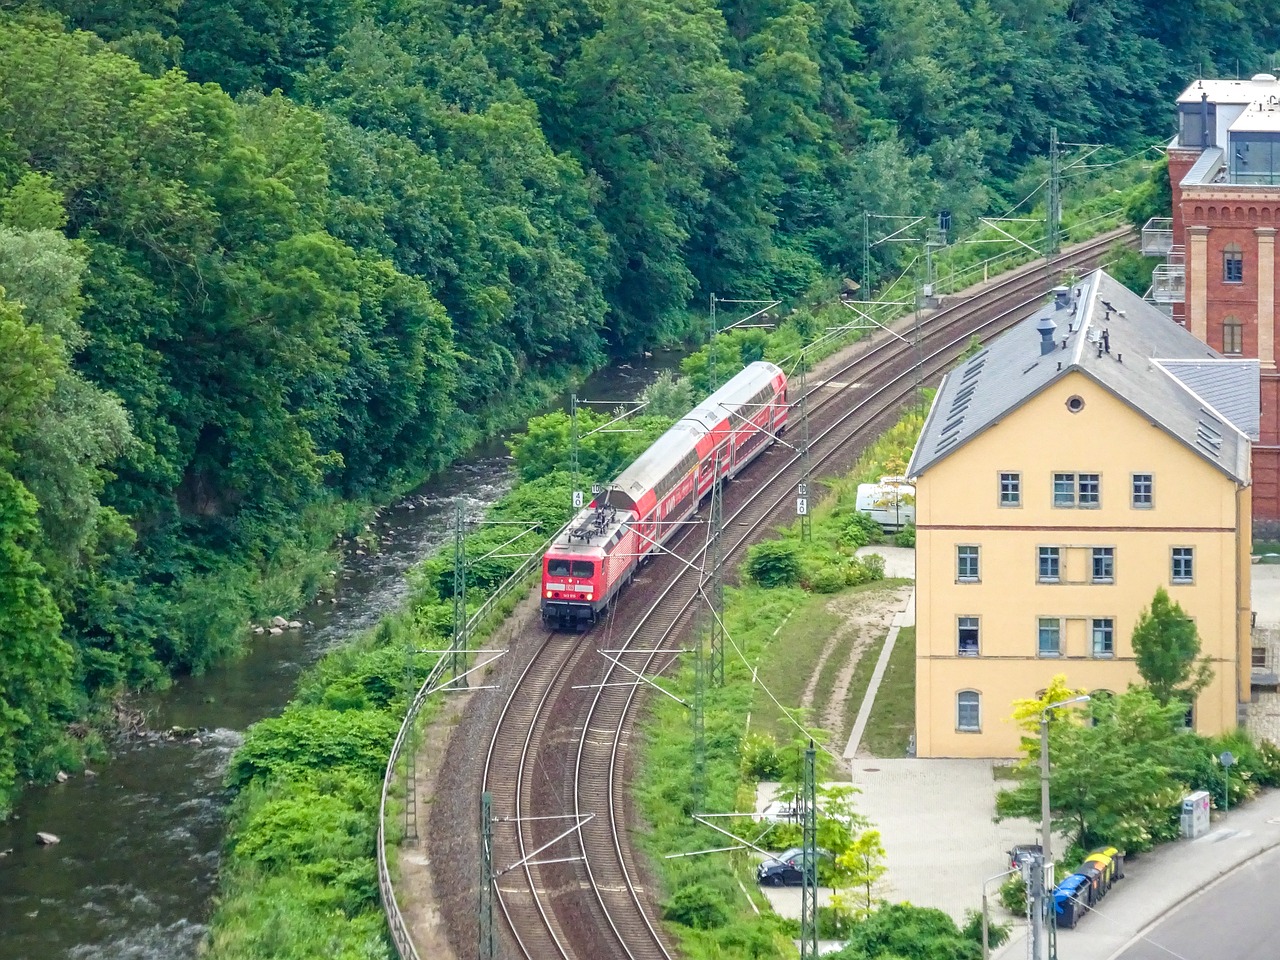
[47, 839]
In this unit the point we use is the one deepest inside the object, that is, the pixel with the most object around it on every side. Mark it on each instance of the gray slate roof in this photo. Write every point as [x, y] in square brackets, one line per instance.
[1128, 347]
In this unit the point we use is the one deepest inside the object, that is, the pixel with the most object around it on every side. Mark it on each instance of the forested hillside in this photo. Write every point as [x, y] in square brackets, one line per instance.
[262, 257]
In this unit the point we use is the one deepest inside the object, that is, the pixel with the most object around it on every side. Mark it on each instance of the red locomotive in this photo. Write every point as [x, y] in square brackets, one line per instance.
[599, 551]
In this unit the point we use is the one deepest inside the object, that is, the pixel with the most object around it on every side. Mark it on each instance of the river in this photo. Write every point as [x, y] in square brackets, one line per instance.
[136, 868]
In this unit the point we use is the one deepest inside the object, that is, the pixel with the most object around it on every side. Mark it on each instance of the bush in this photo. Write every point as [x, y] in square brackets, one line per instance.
[829, 579]
[906, 537]
[860, 530]
[697, 905]
[760, 759]
[1013, 895]
[775, 563]
[865, 569]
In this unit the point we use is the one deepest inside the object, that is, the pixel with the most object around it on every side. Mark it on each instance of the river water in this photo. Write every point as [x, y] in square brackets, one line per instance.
[136, 868]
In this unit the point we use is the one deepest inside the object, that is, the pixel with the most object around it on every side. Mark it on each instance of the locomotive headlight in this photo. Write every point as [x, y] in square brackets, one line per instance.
[548, 594]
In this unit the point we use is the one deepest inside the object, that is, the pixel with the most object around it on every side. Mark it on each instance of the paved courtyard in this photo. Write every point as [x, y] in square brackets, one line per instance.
[936, 820]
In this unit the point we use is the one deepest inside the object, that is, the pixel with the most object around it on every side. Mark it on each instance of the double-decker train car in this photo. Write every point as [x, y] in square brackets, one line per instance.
[598, 552]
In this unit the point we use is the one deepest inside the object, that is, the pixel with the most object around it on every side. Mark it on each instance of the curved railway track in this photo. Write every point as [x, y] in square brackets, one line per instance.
[559, 757]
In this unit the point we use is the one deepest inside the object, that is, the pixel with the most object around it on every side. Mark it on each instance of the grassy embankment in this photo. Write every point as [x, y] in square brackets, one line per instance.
[779, 633]
[299, 876]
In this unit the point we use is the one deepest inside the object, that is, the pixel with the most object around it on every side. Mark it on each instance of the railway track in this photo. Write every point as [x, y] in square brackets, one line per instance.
[560, 749]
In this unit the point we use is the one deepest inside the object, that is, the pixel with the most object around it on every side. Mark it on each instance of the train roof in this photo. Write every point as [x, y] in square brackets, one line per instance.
[591, 530]
[682, 439]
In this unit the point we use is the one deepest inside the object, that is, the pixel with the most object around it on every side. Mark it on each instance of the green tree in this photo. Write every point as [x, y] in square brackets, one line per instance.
[35, 663]
[901, 931]
[1112, 779]
[861, 868]
[1166, 646]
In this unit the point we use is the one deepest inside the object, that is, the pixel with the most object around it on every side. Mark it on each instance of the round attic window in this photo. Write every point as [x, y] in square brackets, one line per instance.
[1075, 404]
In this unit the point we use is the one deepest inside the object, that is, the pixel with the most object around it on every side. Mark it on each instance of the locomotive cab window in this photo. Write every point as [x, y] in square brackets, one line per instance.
[584, 568]
[557, 567]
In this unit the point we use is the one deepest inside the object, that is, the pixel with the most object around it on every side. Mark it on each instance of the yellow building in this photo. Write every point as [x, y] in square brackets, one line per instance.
[1093, 453]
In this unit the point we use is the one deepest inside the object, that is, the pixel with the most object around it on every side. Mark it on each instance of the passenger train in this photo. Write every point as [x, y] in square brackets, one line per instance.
[598, 552]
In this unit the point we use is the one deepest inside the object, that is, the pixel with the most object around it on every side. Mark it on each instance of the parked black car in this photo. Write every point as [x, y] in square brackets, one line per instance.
[786, 869]
[1023, 854]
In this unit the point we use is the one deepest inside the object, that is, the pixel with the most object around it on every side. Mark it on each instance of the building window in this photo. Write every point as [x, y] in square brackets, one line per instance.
[1183, 568]
[1144, 488]
[1259, 657]
[1232, 336]
[1090, 489]
[1050, 637]
[969, 711]
[1050, 566]
[1232, 264]
[1064, 489]
[967, 636]
[1104, 564]
[967, 564]
[1010, 489]
[1104, 637]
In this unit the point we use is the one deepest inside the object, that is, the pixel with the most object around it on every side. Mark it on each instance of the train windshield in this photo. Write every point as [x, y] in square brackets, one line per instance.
[557, 567]
[584, 568]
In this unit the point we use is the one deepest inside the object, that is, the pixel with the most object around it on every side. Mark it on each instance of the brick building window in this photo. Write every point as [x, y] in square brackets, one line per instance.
[1232, 263]
[1232, 336]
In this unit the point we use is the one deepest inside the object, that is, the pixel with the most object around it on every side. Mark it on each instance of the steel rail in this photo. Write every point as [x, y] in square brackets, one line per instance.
[1028, 276]
[545, 673]
[605, 694]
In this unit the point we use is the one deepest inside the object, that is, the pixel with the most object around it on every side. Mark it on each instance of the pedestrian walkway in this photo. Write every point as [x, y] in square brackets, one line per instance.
[1159, 882]
[898, 562]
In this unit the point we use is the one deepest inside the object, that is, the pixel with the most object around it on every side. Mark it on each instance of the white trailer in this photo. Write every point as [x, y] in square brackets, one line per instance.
[891, 502]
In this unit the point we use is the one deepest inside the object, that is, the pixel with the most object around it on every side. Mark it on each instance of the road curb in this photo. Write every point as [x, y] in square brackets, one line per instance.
[1217, 878]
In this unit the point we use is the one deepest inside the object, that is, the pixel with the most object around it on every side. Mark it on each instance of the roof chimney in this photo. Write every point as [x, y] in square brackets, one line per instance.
[1061, 297]
[1045, 328]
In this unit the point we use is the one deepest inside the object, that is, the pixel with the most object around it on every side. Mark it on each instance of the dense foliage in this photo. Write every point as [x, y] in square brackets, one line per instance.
[262, 257]
[1122, 766]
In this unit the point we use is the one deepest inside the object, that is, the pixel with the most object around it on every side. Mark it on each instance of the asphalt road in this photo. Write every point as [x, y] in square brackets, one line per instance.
[1237, 919]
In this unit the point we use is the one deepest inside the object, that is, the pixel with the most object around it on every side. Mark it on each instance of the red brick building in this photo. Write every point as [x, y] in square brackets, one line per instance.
[1219, 278]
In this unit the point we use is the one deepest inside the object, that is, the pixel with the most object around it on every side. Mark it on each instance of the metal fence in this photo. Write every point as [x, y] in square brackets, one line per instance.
[386, 889]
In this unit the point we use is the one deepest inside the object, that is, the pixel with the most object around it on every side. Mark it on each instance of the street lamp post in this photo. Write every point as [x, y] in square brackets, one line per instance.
[986, 919]
[1047, 878]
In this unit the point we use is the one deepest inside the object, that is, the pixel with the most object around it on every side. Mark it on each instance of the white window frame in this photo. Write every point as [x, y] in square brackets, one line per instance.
[1093, 564]
[961, 575]
[1080, 482]
[1093, 638]
[1190, 560]
[976, 706]
[1065, 478]
[1014, 479]
[1041, 557]
[977, 628]
[1150, 493]
[1040, 651]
